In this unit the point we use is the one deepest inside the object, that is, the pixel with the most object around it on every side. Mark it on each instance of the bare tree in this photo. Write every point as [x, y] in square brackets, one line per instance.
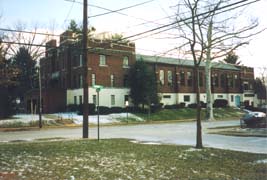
[190, 29]
[263, 75]
[222, 39]
[19, 37]
[219, 33]
[208, 32]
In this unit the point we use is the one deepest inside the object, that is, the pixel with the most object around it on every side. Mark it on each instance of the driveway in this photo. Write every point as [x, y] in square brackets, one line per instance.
[173, 133]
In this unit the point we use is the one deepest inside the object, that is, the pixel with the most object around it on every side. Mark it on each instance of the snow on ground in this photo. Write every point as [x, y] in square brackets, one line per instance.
[145, 142]
[24, 118]
[193, 149]
[77, 119]
[264, 161]
[103, 119]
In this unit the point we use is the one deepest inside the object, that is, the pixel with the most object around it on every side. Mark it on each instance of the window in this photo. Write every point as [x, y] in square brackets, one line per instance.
[81, 99]
[222, 80]
[112, 80]
[200, 79]
[219, 96]
[216, 80]
[81, 80]
[93, 79]
[232, 98]
[75, 100]
[182, 78]
[245, 86]
[126, 98]
[186, 98]
[231, 81]
[236, 82]
[170, 78]
[102, 60]
[161, 77]
[112, 100]
[125, 62]
[81, 60]
[94, 99]
[189, 78]
[125, 81]
[166, 96]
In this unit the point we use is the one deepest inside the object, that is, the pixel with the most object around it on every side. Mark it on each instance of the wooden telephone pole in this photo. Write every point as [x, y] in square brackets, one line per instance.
[85, 72]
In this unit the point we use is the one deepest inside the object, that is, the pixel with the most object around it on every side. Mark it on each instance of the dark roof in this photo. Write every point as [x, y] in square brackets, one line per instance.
[182, 62]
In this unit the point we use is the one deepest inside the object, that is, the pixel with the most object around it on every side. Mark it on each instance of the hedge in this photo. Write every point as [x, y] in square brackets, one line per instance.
[220, 103]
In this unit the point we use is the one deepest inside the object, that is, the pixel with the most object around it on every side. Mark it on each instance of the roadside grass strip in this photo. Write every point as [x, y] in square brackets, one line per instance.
[72, 119]
[122, 159]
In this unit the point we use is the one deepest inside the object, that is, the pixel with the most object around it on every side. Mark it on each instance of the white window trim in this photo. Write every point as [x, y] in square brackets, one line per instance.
[93, 79]
[161, 77]
[112, 79]
[102, 58]
[125, 59]
[170, 77]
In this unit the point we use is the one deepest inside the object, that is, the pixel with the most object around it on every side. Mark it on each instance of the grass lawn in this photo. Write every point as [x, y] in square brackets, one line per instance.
[121, 159]
[189, 113]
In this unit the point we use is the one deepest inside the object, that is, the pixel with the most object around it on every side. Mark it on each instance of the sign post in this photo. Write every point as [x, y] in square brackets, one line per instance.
[98, 88]
[127, 104]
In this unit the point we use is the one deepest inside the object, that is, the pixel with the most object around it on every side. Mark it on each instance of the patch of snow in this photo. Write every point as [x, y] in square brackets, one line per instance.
[103, 119]
[151, 143]
[147, 143]
[24, 118]
[264, 161]
[77, 119]
[193, 149]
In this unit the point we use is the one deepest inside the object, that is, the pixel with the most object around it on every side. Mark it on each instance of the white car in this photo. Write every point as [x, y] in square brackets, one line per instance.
[254, 119]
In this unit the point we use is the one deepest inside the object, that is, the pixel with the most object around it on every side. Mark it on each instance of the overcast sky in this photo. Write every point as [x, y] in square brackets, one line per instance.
[56, 14]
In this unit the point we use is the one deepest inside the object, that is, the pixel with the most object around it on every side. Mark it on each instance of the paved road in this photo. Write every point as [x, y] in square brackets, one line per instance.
[174, 133]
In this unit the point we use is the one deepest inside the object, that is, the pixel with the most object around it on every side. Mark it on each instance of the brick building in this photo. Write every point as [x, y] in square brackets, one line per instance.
[176, 81]
[108, 65]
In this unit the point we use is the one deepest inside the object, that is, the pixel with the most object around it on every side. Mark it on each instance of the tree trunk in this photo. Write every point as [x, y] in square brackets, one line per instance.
[209, 101]
[197, 91]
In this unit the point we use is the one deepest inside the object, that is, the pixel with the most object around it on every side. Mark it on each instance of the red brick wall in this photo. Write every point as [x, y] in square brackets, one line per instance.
[178, 87]
[54, 100]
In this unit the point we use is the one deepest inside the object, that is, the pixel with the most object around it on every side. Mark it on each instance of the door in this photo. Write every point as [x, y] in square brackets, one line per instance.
[237, 101]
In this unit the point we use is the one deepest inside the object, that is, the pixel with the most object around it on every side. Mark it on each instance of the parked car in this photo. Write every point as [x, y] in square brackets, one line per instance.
[254, 120]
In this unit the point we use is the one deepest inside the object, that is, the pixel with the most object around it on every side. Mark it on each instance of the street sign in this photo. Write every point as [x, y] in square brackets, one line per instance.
[98, 87]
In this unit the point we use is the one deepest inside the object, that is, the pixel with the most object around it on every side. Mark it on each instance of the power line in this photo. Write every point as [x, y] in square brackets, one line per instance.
[188, 18]
[151, 30]
[68, 14]
[29, 32]
[121, 9]
[25, 44]
[145, 32]
[117, 11]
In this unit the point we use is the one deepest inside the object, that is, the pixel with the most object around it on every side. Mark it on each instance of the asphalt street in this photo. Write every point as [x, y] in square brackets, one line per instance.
[172, 133]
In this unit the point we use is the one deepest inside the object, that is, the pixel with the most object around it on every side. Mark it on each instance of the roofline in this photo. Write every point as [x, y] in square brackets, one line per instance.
[233, 67]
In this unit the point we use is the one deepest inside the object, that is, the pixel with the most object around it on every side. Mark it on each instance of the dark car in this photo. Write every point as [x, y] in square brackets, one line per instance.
[254, 120]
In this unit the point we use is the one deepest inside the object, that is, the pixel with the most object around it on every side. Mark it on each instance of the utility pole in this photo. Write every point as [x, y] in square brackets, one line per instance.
[40, 98]
[85, 72]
